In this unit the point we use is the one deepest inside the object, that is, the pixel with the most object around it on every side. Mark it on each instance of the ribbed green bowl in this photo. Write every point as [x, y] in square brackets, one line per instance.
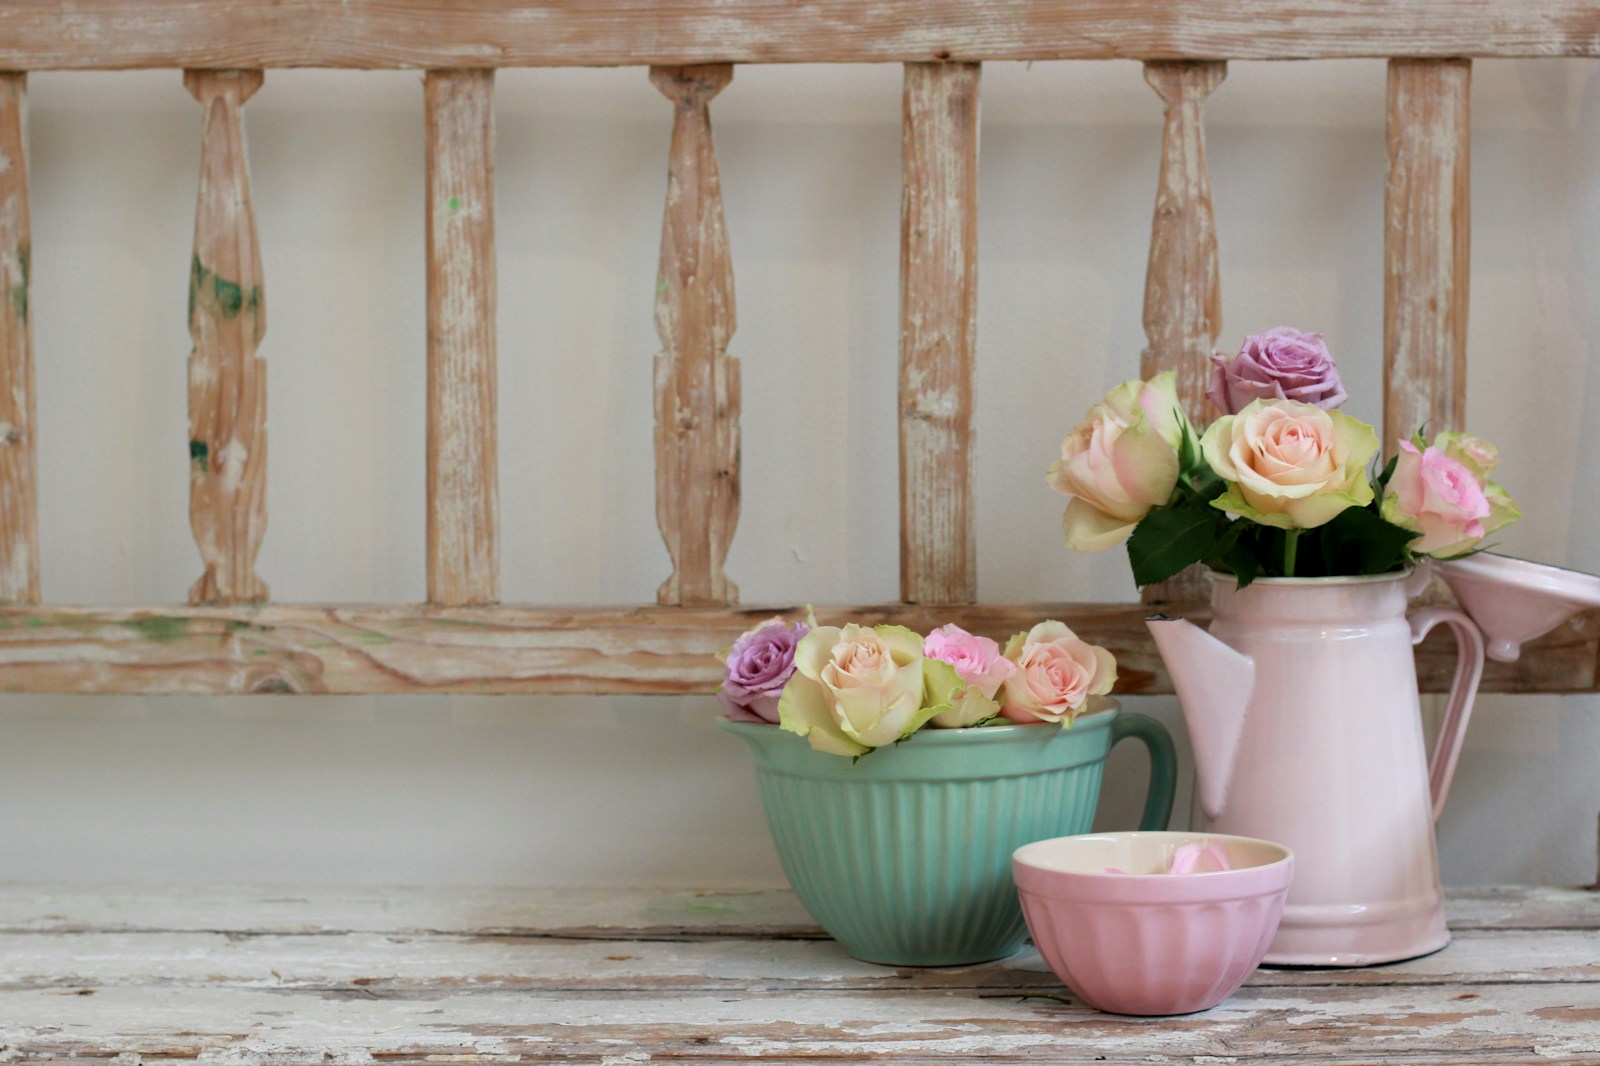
[905, 856]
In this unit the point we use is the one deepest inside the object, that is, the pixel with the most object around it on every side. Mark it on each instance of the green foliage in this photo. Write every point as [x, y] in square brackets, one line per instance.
[1190, 530]
[1173, 537]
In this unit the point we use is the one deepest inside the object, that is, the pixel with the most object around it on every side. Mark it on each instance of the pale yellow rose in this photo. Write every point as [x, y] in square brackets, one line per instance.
[1119, 462]
[1058, 675]
[855, 688]
[1289, 464]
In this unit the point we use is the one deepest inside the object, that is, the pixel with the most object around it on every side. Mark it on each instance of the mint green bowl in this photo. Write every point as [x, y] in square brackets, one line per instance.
[905, 856]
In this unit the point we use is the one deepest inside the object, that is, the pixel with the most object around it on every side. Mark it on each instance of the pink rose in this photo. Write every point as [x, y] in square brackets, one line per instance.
[982, 668]
[1280, 364]
[759, 664]
[1443, 492]
[1057, 675]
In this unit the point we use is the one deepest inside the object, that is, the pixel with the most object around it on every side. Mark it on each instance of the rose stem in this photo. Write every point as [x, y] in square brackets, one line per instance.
[1291, 541]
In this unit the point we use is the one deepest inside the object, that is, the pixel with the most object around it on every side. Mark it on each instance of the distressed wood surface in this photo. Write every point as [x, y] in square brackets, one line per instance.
[697, 384]
[463, 480]
[1426, 245]
[591, 914]
[513, 976]
[19, 508]
[938, 332]
[1182, 288]
[286, 648]
[102, 34]
[227, 381]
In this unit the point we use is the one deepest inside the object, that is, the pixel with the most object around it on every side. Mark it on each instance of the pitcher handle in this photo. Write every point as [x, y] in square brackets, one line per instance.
[1469, 671]
[1163, 764]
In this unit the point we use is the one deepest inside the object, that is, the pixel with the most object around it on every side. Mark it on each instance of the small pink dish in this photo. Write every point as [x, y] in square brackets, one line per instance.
[1148, 941]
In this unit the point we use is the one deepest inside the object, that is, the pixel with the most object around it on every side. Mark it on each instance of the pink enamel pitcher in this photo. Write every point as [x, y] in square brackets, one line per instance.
[1304, 717]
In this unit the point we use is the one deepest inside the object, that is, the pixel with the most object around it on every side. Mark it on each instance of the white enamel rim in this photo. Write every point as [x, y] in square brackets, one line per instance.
[1026, 855]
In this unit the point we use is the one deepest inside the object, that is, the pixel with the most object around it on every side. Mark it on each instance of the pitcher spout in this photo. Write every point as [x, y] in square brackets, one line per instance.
[1213, 682]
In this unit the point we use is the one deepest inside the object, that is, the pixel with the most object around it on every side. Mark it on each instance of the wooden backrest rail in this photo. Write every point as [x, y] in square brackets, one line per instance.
[229, 639]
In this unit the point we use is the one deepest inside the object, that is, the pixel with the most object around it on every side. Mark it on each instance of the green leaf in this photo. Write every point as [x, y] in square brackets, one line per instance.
[1171, 538]
[1383, 478]
[1358, 541]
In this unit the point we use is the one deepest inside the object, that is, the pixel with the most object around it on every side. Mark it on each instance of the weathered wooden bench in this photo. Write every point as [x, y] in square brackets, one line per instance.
[624, 977]
[630, 977]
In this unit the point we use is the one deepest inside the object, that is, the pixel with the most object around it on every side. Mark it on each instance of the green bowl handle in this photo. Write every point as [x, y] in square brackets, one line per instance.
[1163, 764]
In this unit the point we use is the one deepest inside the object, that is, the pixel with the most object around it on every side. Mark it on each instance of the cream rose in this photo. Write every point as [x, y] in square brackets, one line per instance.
[1057, 675]
[1290, 464]
[855, 689]
[1119, 462]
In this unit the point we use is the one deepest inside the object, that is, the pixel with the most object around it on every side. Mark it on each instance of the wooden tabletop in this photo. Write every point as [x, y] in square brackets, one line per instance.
[620, 977]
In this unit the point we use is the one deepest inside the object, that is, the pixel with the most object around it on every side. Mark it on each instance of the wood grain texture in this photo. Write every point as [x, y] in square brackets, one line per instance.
[19, 507]
[601, 913]
[938, 332]
[1182, 288]
[463, 479]
[409, 976]
[1426, 246]
[285, 648]
[227, 381]
[697, 384]
[105, 34]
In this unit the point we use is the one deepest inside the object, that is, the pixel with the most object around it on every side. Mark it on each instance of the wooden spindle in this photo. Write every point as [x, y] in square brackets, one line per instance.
[227, 381]
[697, 384]
[1426, 246]
[938, 331]
[1182, 293]
[19, 518]
[463, 488]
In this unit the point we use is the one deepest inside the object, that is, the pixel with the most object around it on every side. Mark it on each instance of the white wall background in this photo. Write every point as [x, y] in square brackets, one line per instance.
[478, 791]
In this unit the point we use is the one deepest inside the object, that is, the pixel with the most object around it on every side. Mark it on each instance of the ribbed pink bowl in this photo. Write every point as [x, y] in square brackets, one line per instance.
[1148, 942]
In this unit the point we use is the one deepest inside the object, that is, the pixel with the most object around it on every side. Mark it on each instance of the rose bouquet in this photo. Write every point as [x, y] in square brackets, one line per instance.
[852, 689]
[1283, 484]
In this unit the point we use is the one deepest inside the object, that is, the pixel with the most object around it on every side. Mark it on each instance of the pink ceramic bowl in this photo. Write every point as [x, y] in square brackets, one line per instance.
[1149, 942]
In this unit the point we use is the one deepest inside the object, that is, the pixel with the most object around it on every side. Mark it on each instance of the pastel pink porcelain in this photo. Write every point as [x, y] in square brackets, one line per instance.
[1306, 727]
[1148, 941]
[1514, 601]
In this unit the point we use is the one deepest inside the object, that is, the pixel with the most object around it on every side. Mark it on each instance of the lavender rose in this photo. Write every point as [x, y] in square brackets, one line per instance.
[1280, 364]
[759, 665]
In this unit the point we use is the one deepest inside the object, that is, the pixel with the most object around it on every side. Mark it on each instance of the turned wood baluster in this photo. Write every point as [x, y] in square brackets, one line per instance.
[1182, 295]
[19, 521]
[697, 384]
[227, 382]
[1426, 246]
[463, 490]
[938, 331]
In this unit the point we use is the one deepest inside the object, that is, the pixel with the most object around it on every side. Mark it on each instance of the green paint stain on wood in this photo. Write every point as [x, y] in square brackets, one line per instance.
[212, 289]
[707, 906]
[229, 295]
[160, 628]
[36, 622]
[661, 284]
[19, 291]
[373, 638]
[455, 204]
[200, 455]
[197, 278]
